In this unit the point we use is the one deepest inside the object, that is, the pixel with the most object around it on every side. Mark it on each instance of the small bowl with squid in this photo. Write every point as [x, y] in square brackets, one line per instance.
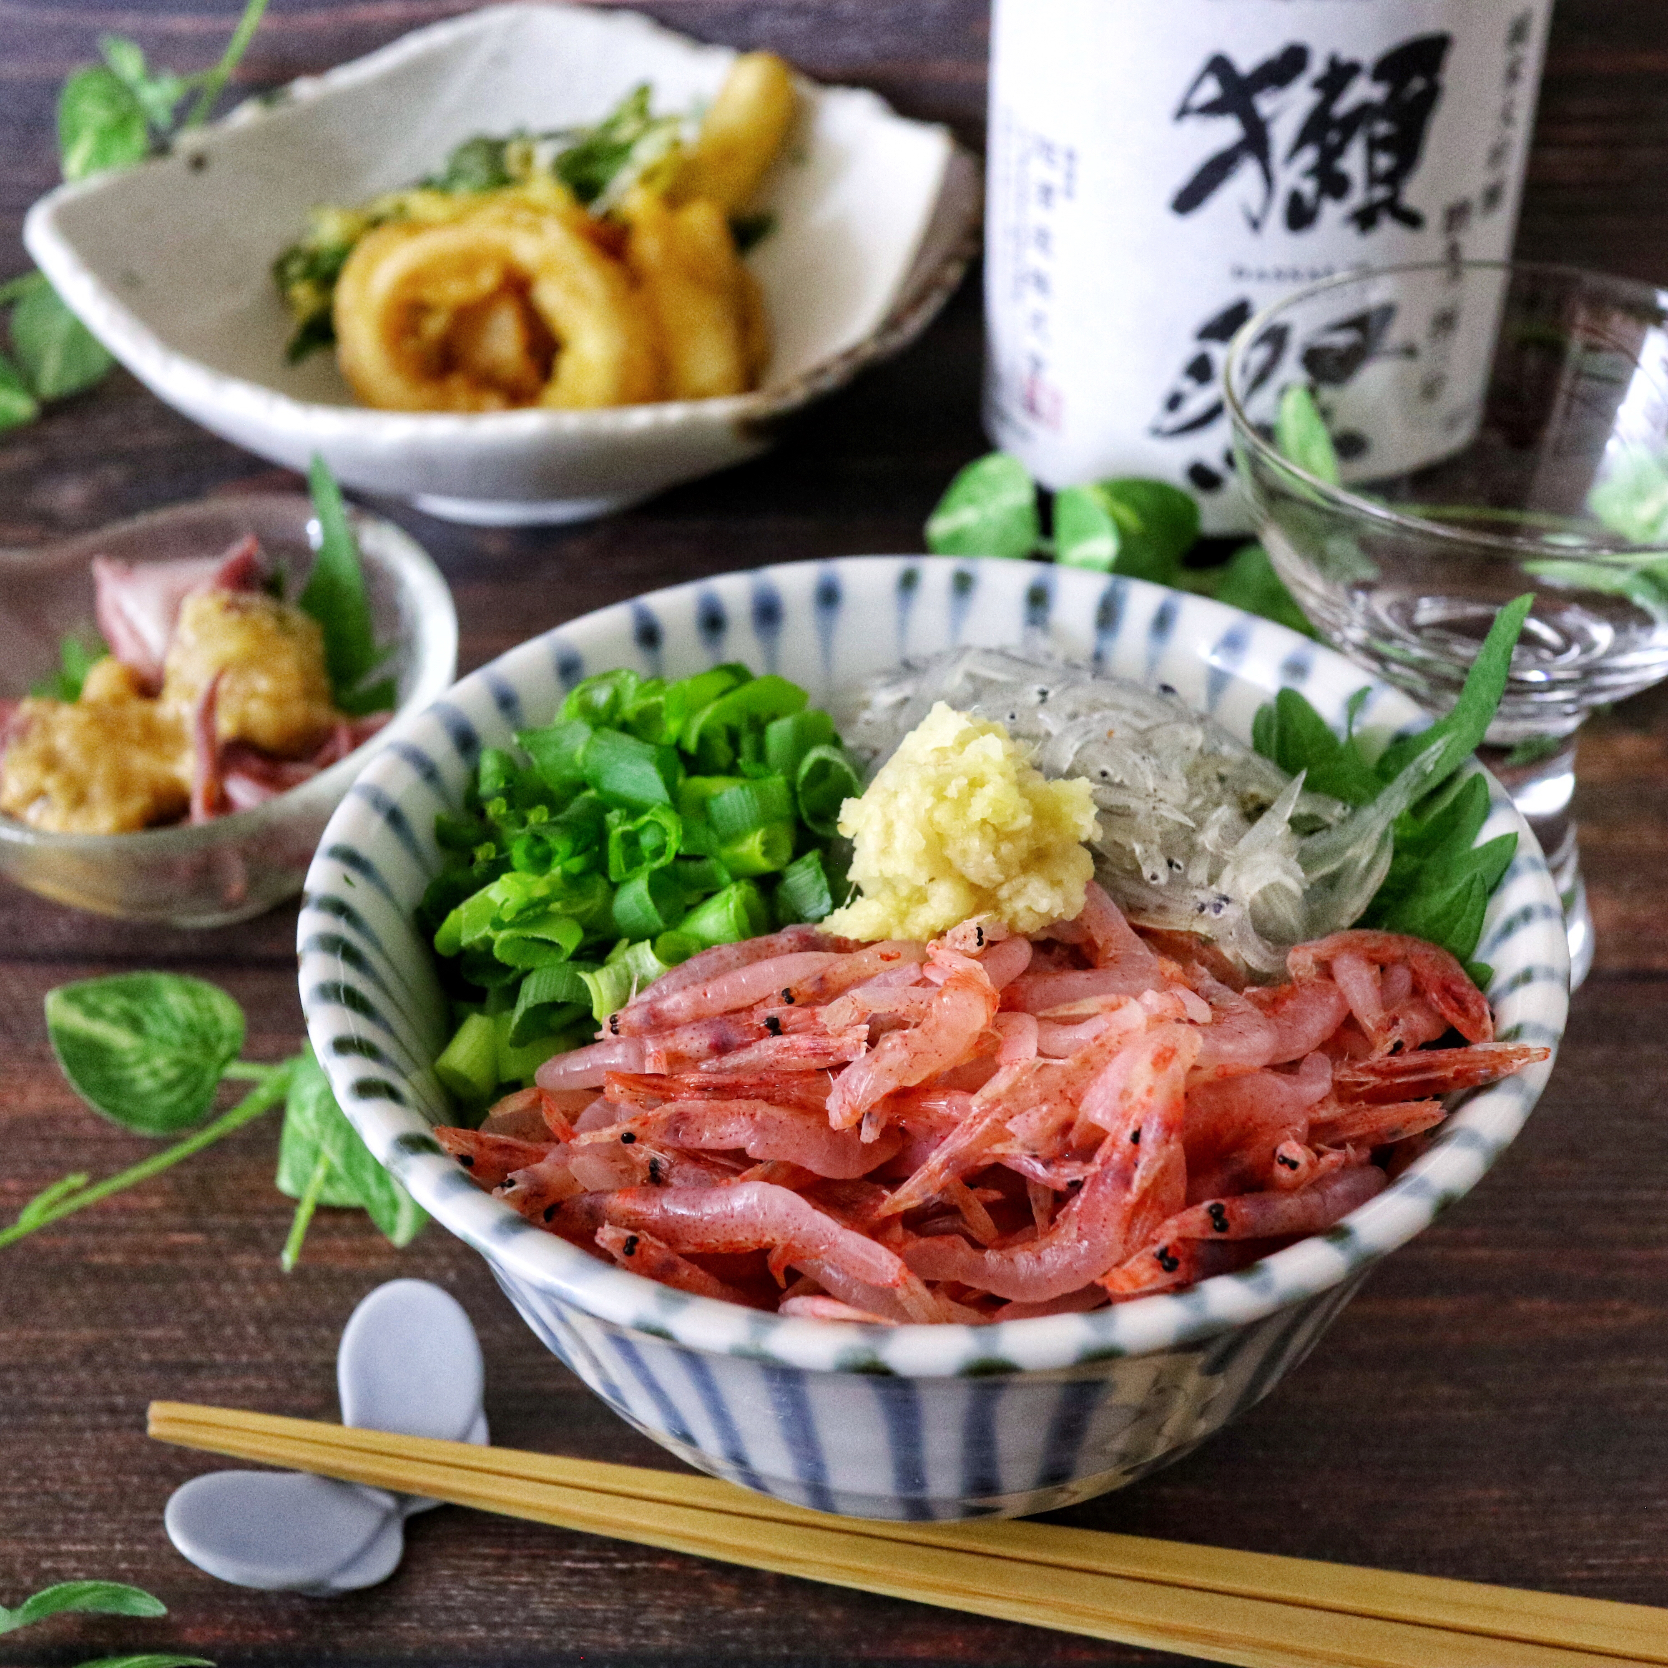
[238, 864]
[872, 220]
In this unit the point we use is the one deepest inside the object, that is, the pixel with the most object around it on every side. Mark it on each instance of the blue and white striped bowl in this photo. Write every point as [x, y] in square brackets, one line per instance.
[914, 1421]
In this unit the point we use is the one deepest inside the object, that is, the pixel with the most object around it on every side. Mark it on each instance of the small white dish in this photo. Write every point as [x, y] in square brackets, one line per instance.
[169, 263]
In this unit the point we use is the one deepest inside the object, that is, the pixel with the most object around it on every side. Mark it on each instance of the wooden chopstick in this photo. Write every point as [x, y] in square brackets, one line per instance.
[1234, 1607]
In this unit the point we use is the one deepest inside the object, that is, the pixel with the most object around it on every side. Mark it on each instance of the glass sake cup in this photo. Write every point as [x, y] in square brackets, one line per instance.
[1497, 429]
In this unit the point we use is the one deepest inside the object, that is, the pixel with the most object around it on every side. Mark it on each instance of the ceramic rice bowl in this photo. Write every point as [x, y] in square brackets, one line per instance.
[911, 1421]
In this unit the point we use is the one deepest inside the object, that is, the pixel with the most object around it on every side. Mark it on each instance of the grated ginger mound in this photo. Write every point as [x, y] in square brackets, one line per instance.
[958, 822]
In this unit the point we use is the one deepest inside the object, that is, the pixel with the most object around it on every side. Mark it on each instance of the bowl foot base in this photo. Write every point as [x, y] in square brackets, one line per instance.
[500, 512]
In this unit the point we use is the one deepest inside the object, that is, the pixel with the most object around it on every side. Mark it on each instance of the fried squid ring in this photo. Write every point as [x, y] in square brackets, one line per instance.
[742, 132]
[499, 307]
[706, 303]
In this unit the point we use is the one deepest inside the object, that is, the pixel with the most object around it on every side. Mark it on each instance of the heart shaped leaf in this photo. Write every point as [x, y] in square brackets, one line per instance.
[145, 1049]
[315, 1129]
[104, 1598]
[989, 509]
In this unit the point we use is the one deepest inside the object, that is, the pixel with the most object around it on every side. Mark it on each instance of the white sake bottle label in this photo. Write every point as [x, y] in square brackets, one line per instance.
[1159, 170]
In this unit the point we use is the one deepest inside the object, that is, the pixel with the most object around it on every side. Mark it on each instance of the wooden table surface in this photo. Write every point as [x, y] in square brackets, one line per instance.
[1491, 1406]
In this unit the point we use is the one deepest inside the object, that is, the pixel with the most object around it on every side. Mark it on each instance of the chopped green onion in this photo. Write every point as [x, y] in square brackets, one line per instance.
[728, 917]
[709, 735]
[660, 711]
[468, 1065]
[676, 946]
[546, 938]
[698, 838]
[458, 833]
[516, 1062]
[639, 844]
[555, 751]
[547, 998]
[652, 903]
[701, 876]
[603, 698]
[696, 793]
[826, 780]
[496, 771]
[788, 740]
[481, 967]
[749, 806]
[609, 987]
[762, 852]
[627, 771]
[578, 828]
[803, 894]
[467, 924]
[644, 965]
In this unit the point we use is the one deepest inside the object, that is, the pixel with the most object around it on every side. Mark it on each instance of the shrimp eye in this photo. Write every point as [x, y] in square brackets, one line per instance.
[1218, 1213]
[773, 1025]
[467, 1160]
[787, 996]
[630, 1246]
[1167, 1260]
[979, 937]
[627, 1139]
[614, 1024]
[1135, 1137]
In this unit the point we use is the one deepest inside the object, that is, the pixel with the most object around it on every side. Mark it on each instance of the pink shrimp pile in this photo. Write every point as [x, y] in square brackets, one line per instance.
[986, 1127]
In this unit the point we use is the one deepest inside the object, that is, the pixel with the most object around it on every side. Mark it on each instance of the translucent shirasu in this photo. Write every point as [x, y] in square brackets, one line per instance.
[1198, 833]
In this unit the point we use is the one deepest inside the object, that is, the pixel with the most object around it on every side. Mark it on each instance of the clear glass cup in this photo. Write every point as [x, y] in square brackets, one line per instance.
[1497, 429]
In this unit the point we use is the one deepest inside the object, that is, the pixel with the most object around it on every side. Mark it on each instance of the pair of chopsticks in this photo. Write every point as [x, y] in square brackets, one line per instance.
[1235, 1607]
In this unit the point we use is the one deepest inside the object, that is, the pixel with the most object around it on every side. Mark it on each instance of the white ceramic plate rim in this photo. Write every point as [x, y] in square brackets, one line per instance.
[149, 357]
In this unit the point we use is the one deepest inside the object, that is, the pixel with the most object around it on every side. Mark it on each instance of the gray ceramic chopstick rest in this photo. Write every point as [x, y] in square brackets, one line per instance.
[409, 1362]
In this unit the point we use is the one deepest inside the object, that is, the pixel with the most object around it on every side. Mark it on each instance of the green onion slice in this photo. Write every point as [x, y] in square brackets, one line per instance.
[762, 852]
[804, 893]
[649, 904]
[602, 699]
[788, 740]
[749, 806]
[826, 780]
[638, 845]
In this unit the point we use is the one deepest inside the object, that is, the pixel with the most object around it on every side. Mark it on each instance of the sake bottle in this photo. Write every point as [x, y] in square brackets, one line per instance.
[1159, 170]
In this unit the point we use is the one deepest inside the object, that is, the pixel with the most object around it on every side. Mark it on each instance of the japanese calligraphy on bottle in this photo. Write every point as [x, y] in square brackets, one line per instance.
[1161, 169]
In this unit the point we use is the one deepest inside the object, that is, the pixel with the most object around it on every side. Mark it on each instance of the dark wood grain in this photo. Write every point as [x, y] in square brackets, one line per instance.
[1490, 1406]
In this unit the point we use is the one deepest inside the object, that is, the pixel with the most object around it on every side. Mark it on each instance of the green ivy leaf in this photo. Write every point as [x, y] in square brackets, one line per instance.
[145, 1049]
[101, 123]
[335, 596]
[1248, 581]
[60, 356]
[149, 1659]
[315, 1127]
[1085, 535]
[1300, 434]
[103, 1598]
[989, 509]
[158, 95]
[17, 405]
